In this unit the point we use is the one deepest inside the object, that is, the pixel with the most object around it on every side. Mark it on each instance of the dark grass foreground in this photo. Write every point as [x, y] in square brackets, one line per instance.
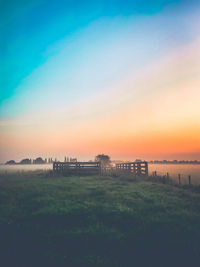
[97, 221]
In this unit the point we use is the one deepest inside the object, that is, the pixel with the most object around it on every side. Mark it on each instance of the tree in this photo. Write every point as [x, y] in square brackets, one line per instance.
[10, 162]
[104, 159]
[25, 161]
[39, 161]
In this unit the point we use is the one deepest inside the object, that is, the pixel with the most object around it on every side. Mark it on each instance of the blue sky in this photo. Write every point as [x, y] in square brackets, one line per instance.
[30, 28]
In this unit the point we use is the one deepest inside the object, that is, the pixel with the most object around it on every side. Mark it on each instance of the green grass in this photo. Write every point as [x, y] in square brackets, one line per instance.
[97, 221]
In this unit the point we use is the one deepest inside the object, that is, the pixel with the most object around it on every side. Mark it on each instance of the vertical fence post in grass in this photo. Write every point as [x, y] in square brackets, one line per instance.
[167, 178]
[179, 179]
[189, 179]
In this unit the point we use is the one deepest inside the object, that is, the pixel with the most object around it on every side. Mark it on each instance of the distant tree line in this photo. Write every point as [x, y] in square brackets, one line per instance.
[39, 160]
[104, 159]
[174, 161]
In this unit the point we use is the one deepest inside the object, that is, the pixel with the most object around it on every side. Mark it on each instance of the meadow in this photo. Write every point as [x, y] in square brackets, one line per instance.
[119, 220]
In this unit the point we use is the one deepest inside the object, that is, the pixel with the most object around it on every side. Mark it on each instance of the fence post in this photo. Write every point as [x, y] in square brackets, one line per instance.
[189, 179]
[146, 168]
[179, 179]
[130, 167]
[138, 168]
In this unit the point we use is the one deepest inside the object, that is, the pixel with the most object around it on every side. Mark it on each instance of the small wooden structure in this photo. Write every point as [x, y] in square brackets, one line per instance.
[77, 168]
[137, 167]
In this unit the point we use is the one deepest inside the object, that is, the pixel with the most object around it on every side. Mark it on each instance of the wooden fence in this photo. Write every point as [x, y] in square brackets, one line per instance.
[139, 168]
[77, 168]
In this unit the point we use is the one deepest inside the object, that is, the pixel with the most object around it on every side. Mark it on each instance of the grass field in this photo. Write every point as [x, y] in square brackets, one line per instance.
[97, 221]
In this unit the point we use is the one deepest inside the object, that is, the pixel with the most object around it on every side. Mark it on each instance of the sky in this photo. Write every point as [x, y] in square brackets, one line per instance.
[119, 77]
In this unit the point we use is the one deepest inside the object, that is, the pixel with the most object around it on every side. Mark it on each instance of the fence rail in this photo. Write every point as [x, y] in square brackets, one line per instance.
[77, 168]
[139, 168]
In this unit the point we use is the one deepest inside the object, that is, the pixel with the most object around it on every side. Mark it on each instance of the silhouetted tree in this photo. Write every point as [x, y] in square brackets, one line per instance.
[104, 159]
[39, 161]
[10, 162]
[25, 161]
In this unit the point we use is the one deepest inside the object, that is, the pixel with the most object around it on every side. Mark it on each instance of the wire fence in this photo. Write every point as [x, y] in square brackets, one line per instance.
[179, 179]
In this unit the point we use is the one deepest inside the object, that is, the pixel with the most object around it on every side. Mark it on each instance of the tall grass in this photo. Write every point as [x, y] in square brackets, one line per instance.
[97, 221]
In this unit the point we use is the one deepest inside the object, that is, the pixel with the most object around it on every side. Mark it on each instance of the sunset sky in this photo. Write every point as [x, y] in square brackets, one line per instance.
[119, 77]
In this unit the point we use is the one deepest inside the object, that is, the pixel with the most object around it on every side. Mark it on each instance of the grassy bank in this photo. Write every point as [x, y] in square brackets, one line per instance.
[97, 221]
